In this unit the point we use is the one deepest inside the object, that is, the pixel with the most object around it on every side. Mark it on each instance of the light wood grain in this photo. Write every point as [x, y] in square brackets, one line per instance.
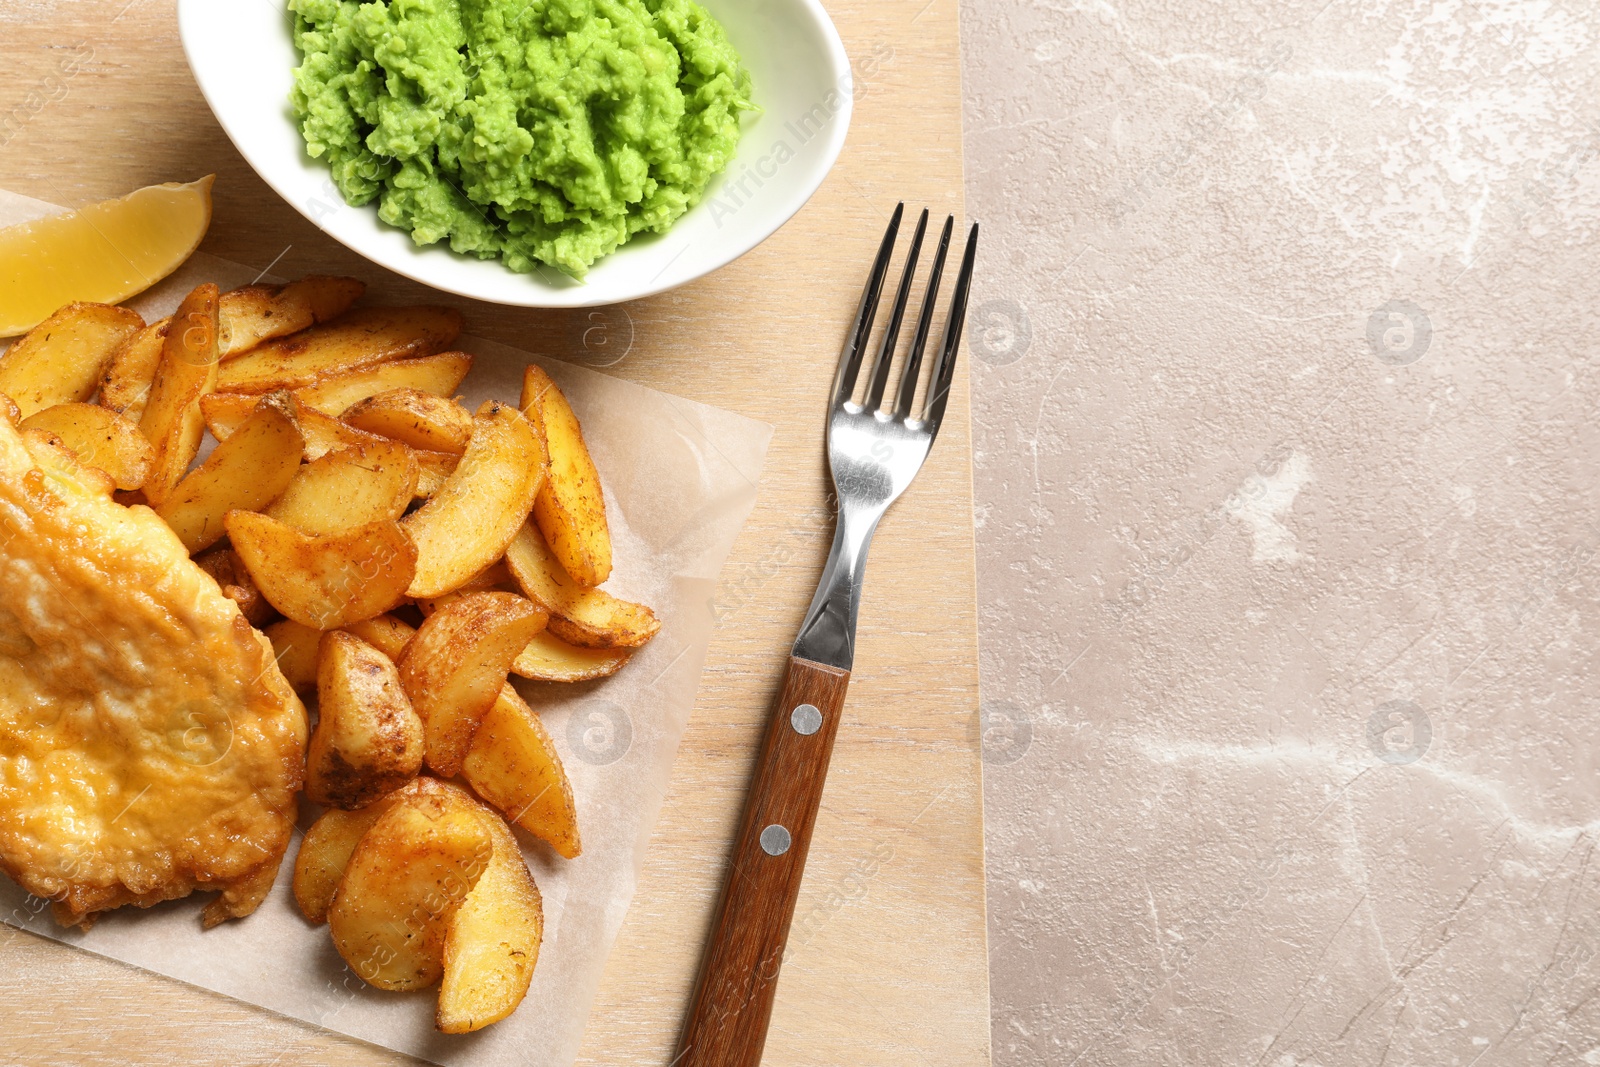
[886, 961]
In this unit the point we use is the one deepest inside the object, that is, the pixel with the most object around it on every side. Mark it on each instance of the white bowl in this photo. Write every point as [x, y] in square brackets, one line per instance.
[242, 54]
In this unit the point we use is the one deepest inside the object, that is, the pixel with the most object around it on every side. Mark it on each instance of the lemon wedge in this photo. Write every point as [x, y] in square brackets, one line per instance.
[103, 253]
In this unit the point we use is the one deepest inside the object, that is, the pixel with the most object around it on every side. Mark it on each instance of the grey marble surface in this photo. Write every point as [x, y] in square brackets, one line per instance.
[1285, 358]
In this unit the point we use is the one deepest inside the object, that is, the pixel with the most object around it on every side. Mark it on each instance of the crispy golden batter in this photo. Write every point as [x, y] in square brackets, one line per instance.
[149, 745]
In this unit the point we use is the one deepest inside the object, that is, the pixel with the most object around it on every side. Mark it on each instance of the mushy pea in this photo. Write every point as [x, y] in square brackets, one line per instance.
[534, 130]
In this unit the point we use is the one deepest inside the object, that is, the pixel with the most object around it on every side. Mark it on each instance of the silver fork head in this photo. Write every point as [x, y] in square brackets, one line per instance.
[875, 453]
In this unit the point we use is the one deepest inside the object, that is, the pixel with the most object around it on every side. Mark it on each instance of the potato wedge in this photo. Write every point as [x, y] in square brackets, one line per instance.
[227, 570]
[58, 461]
[454, 666]
[495, 576]
[547, 658]
[101, 438]
[421, 420]
[408, 874]
[434, 469]
[592, 618]
[61, 360]
[297, 648]
[252, 314]
[125, 385]
[368, 740]
[246, 472]
[491, 943]
[439, 374]
[606, 622]
[327, 847]
[325, 852]
[467, 524]
[513, 765]
[257, 313]
[223, 412]
[329, 295]
[570, 510]
[186, 372]
[325, 581]
[323, 434]
[354, 340]
[349, 487]
[385, 633]
[9, 410]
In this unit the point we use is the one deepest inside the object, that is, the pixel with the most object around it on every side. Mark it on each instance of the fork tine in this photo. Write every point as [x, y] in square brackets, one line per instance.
[844, 382]
[919, 340]
[878, 378]
[944, 371]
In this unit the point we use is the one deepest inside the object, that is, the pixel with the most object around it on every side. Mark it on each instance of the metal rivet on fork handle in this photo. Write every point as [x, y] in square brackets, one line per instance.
[806, 719]
[775, 840]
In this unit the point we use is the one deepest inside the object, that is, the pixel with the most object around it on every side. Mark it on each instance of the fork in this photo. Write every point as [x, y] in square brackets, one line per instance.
[874, 453]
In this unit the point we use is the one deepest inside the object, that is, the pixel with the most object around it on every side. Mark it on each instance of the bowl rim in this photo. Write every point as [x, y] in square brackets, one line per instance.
[540, 294]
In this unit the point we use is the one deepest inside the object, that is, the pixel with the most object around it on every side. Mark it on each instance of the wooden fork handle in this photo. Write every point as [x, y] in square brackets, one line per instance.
[732, 1001]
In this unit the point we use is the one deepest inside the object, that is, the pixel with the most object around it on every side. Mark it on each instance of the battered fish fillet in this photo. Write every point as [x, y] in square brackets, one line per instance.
[149, 745]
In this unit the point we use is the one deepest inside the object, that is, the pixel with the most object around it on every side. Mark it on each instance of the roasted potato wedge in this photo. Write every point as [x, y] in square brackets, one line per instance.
[606, 622]
[385, 633]
[257, 313]
[323, 434]
[57, 460]
[409, 873]
[101, 438]
[186, 372]
[252, 314]
[467, 524]
[439, 374]
[246, 472]
[329, 295]
[9, 410]
[227, 570]
[61, 360]
[324, 581]
[491, 942]
[327, 847]
[434, 469]
[421, 420]
[368, 740]
[223, 412]
[513, 765]
[547, 658]
[125, 385]
[354, 340]
[297, 648]
[570, 510]
[325, 852]
[349, 487]
[454, 666]
[592, 618]
[495, 576]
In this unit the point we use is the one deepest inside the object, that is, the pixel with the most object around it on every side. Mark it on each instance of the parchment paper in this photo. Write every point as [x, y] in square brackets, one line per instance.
[680, 479]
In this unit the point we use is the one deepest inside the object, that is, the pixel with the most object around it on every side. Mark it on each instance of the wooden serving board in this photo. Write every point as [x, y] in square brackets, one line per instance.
[887, 963]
